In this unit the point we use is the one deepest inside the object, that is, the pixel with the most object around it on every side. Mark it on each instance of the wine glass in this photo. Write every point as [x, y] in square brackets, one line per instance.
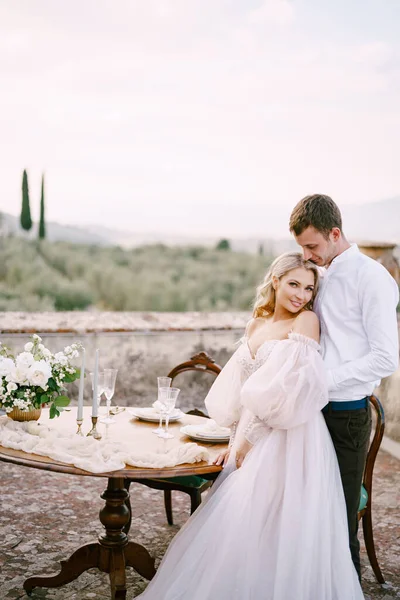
[100, 385]
[162, 382]
[110, 376]
[169, 401]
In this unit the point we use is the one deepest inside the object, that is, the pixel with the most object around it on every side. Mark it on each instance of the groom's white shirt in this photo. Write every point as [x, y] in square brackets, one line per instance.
[356, 306]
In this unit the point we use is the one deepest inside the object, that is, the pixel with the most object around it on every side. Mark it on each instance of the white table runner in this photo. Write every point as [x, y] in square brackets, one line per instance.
[95, 456]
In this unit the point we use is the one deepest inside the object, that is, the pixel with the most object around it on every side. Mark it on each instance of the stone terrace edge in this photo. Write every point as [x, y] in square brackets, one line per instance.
[81, 322]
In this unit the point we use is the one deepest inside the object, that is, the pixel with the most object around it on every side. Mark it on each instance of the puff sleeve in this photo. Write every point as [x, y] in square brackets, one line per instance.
[223, 399]
[290, 387]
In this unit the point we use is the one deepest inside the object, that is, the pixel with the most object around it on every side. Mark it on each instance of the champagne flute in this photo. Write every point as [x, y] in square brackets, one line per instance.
[110, 376]
[162, 382]
[169, 402]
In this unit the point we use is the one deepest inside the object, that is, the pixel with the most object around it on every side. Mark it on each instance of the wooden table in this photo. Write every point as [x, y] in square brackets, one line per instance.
[113, 552]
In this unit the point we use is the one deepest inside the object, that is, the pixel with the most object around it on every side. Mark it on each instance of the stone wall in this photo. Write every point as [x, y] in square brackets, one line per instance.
[143, 346]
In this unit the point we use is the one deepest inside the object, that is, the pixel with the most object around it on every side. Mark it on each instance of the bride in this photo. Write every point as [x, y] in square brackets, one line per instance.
[274, 525]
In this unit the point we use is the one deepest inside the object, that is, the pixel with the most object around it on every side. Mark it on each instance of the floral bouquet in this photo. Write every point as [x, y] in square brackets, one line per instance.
[36, 377]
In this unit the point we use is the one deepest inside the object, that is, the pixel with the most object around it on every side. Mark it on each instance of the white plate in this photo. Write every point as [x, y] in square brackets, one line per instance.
[150, 415]
[193, 432]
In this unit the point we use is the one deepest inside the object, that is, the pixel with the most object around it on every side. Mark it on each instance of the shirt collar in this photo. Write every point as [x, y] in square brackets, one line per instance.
[343, 256]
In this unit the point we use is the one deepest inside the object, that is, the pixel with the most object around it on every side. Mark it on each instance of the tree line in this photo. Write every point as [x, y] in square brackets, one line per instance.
[66, 276]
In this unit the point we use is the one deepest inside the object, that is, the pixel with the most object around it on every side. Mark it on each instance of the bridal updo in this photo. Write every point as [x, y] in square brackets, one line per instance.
[264, 304]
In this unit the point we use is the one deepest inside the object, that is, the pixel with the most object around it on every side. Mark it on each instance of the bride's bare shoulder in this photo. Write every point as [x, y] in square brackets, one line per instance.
[307, 323]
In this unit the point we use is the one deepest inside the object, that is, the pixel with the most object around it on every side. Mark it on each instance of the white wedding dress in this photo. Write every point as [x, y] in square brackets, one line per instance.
[276, 528]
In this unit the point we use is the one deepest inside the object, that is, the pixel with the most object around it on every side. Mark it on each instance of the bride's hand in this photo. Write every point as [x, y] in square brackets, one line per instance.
[222, 458]
[241, 452]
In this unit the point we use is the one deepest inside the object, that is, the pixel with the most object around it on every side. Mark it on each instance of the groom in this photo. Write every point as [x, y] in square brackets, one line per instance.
[356, 306]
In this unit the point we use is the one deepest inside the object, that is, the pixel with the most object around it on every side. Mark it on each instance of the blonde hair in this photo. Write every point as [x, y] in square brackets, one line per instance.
[264, 304]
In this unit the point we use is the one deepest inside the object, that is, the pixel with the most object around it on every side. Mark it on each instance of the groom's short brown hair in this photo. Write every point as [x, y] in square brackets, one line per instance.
[318, 211]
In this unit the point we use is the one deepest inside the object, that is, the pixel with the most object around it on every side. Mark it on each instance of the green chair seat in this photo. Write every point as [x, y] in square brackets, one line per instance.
[193, 481]
[363, 499]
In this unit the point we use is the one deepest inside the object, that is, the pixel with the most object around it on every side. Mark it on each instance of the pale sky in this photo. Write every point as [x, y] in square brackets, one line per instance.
[147, 115]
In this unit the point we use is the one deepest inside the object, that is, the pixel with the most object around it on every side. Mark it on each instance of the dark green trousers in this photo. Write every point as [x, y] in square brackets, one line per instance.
[350, 431]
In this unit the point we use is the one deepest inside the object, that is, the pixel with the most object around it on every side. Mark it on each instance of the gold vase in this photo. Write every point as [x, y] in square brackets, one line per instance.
[25, 415]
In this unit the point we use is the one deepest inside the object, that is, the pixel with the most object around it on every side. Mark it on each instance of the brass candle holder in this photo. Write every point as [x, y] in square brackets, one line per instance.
[79, 430]
[93, 432]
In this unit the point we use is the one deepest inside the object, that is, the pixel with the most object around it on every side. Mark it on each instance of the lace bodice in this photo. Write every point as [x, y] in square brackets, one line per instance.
[249, 363]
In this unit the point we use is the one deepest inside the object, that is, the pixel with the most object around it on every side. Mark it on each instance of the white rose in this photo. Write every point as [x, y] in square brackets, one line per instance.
[61, 358]
[11, 386]
[19, 374]
[41, 347]
[6, 366]
[39, 373]
[28, 347]
[25, 359]
[46, 353]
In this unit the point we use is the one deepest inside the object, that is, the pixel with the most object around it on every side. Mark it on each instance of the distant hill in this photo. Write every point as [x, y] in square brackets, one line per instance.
[55, 232]
[377, 221]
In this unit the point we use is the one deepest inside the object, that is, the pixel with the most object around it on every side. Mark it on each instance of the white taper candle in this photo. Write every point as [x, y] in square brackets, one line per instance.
[81, 387]
[95, 406]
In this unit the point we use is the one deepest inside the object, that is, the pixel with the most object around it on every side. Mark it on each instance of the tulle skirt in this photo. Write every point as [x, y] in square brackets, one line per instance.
[275, 529]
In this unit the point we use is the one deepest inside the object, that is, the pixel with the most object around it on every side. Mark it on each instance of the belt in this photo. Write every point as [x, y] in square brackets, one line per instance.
[347, 405]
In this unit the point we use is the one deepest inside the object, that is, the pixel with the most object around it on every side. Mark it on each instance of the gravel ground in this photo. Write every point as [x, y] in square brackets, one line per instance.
[46, 516]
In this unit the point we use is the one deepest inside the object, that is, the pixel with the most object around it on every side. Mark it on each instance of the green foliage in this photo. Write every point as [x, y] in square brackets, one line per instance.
[26, 220]
[54, 412]
[63, 276]
[57, 405]
[61, 401]
[72, 295]
[42, 226]
[223, 245]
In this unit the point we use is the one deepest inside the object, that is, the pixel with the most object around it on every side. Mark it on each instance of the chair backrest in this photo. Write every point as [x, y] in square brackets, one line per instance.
[201, 363]
[198, 362]
[375, 444]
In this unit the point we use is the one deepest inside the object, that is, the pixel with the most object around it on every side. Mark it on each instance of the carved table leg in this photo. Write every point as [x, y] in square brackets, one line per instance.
[136, 556]
[111, 555]
[82, 559]
[121, 553]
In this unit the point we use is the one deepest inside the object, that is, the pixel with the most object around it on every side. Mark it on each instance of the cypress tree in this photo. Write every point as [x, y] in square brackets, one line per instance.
[26, 221]
[42, 226]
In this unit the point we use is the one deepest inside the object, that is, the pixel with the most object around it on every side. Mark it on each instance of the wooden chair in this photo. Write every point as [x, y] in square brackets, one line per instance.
[364, 512]
[193, 485]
